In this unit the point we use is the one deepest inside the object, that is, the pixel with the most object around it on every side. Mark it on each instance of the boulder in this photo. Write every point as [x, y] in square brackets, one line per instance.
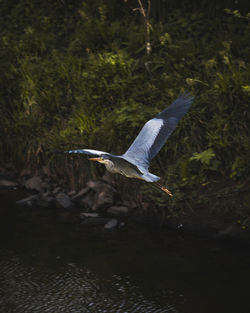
[26, 172]
[118, 210]
[103, 201]
[122, 225]
[34, 183]
[88, 200]
[56, 190]
[97, 195]
[71, 193]
[8, 183]
[130, 204]
[108, 178]
[46, 170]
[100, 186]
[45, 200]
[63, 201]
[105, 194]
[85, 215]
[80, 194]
[29, 201]
[111, 224]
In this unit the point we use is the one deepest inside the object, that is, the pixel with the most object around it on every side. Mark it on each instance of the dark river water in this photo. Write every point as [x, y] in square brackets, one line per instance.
[50, 263]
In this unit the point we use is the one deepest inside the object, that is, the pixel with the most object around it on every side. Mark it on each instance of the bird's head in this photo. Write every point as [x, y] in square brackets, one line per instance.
[104, 158]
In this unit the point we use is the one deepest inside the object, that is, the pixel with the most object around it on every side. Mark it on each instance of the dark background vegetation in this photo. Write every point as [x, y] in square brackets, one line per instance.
[75, 74]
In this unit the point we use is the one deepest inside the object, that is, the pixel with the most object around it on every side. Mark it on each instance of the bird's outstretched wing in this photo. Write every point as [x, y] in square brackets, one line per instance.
[87, 151]
[156, 131]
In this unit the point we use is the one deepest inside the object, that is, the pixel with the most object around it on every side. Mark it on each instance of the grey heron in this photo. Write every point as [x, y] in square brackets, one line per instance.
[134, 163]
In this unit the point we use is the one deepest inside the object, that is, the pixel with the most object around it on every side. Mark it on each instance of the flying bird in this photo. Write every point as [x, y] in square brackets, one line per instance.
[134, 163]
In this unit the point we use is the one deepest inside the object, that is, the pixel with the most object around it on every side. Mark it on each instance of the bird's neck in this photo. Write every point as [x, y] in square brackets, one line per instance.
[110, 166]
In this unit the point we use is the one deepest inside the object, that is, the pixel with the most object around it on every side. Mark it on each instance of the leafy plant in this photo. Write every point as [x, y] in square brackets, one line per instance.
[76, 74]
[204, 157]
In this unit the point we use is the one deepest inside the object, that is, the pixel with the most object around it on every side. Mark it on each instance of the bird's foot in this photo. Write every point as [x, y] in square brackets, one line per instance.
[164, 189]
[167, 191]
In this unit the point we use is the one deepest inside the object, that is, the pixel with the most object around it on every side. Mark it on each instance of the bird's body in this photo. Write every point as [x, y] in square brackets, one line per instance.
[120, 165]
[134, 163]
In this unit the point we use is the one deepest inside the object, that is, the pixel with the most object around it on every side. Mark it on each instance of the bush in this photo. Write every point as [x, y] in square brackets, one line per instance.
[77, 75]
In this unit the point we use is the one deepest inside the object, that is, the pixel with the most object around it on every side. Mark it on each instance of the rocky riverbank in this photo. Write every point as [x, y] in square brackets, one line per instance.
[98, 200]
[101, 205]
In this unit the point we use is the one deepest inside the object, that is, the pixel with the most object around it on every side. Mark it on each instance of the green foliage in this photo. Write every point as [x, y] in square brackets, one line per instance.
[204, 157]
[76, 75]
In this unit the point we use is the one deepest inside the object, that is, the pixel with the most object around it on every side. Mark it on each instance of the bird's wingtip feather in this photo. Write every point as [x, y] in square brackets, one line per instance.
[186, 95]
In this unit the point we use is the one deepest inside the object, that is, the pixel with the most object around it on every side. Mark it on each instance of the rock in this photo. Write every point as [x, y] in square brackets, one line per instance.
[46, 184]
[56, 190]
[104, 200]
[111, 224]
[88, 200]
[81, 193]
[29, 201]
[97, 195]
[104, 194]
[71, 193]
[122, 225]
[88, 215]
[108, 178]
[100, 186]
[63, 201]
[46, 170]
[26, 172]
[46, 200]
[8, 183]
[34, 183]
[95, 221]
[96, 185]
[130, 204]
[118, 210]
[42, 200]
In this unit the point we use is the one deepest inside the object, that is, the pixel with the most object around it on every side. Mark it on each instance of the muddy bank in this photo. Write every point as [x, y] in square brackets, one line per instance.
[100, 204]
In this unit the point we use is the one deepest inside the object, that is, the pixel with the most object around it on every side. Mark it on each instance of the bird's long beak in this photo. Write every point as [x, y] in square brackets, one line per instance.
[95, 159]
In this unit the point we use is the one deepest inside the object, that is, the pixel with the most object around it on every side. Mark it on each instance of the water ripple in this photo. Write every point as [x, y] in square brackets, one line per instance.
[26, 289]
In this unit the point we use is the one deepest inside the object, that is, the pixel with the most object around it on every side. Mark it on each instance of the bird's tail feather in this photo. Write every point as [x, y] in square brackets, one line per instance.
[150, 178]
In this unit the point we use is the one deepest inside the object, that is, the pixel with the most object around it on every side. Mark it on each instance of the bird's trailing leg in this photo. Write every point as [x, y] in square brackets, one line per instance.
[164, 189]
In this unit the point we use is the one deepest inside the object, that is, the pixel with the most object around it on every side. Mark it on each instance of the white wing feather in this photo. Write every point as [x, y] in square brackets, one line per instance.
[87, 151]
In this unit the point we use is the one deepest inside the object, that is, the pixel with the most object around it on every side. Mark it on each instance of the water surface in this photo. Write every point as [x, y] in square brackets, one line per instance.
[50, 263]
